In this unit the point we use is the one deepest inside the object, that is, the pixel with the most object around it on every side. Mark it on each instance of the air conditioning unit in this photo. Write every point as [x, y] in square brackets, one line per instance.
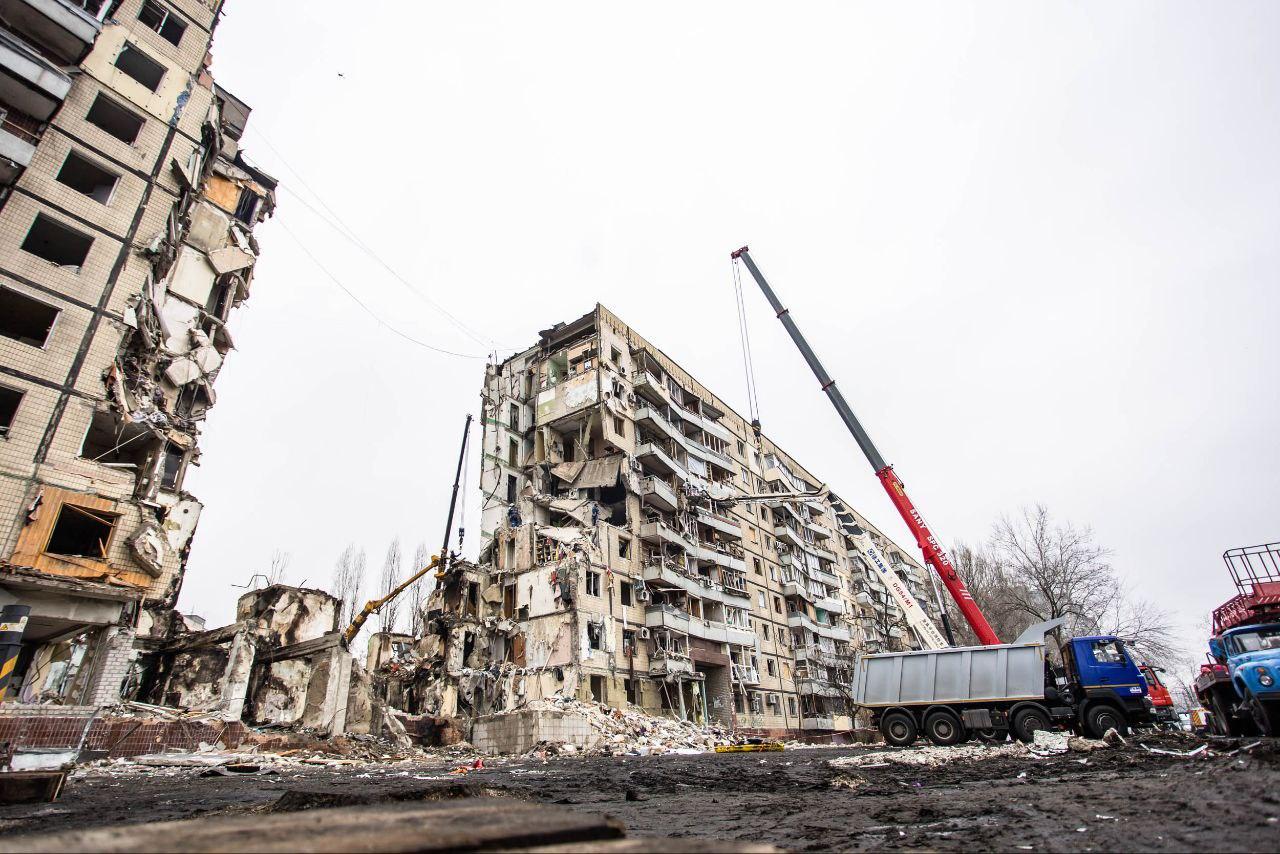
[642, 633]
[642, 594]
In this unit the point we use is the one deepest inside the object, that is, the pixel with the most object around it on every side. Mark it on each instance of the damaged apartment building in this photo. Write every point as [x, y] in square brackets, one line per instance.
[644, 546]
[126, 243]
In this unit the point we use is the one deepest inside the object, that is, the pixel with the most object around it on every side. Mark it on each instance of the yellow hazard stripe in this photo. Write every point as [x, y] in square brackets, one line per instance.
[748, 748]
[7, 667]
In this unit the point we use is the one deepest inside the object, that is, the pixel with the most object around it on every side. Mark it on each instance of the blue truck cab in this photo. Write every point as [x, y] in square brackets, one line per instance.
[1108, 689]
[1252, 656]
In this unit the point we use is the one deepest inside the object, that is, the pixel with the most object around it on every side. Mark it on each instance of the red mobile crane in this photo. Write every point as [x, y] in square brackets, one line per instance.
[934, 554]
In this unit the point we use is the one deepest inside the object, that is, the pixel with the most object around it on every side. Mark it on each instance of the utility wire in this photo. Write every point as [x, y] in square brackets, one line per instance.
[748, 364]
[369, 311]
[350, 234]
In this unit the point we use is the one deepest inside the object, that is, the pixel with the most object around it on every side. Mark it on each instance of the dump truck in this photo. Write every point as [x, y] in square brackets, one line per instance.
[1238, 682]
[995, 690]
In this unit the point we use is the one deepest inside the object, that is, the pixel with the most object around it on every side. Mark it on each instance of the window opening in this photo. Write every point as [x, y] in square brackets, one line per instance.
[87, 177]
[168, 25]
[142, 68]
[55, 242]
[593, 584]
[25, 319]
[624, 592]
[171, 477]
[116, 445]
[80, 532]
[121, 123]
[9, 400]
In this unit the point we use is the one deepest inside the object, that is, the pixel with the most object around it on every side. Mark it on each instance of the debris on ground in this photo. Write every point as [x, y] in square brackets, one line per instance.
[631, 732]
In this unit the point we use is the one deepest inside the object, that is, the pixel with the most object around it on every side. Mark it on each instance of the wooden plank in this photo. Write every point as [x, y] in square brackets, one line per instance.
[463, 825]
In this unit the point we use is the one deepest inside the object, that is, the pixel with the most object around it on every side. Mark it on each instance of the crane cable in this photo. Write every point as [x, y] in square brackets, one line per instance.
[748, 364]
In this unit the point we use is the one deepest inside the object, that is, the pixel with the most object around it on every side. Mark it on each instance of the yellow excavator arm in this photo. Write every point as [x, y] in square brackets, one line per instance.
[373, 605]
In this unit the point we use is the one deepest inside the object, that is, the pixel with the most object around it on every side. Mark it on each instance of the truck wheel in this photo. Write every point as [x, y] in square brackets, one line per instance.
[899, 729]
[1222, 724]
[943, 728]
[1027, 721]
[1099, 719]
[1267, 720]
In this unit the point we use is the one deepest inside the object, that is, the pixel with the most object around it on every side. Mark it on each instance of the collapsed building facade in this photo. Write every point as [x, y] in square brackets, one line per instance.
[624, 562]
[126, 243]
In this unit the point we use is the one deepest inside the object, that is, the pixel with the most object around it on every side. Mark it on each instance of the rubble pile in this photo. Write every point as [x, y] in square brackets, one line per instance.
[633, 733]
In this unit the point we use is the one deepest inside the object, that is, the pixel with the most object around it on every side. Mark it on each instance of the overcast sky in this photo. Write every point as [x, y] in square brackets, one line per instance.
[1035, 244]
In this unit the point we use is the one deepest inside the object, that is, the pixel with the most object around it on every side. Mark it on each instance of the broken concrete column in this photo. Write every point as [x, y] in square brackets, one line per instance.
[235, 679]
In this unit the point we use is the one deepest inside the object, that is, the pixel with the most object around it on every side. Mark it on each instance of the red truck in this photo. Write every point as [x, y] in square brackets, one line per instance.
[1162, 711]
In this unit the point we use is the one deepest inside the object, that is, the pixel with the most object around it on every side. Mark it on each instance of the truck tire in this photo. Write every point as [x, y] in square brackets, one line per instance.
[1026, 721]
[1103, 717]
[1222, 720]
[943, 727]
[898, 728]
[1266, 719]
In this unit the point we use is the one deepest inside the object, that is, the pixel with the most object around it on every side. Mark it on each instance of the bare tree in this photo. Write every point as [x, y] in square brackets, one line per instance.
[1057, 570]
[348, 582]
[390, 581]
[1149, 631]
[991, 587]
[279, 564]
[419, 590]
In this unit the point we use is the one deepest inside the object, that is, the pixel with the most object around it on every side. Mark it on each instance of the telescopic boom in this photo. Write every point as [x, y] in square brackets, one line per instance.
[934, 554]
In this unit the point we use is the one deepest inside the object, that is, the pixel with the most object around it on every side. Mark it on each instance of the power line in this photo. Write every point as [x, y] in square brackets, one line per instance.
[366, 308]
[346, 231]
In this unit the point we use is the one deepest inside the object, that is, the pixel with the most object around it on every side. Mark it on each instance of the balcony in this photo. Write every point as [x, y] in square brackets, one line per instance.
[659, 457]
[797, 588]
[828, 578]
[659, 532]
[651, 388]
[735, 583]
[817, 723]
[666, 617]
[719, 558]
[789, 535]
[831, 605]
[796, 619]
[657, 493]
[659, 575]
[29, 82]
[746, 674]
[648, 416]
[816, 654]
[817, 687]
[711, 457]
[64, 29]
[19, 134]
[726, 525]
[670, 666]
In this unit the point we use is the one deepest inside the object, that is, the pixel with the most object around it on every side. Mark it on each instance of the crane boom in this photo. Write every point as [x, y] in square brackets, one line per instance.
[934, 554]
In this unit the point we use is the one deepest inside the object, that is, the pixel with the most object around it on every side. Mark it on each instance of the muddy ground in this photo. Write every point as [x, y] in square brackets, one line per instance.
[1122, 798]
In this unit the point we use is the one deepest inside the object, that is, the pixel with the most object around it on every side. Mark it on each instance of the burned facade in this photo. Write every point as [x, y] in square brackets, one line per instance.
[629, 558]
[126, 242]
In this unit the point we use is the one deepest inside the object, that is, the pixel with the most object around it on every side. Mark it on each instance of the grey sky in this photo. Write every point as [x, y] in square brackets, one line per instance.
[1035, 243]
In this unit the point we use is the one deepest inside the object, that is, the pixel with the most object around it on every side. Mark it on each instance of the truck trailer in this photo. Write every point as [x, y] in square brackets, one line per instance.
[995, 690]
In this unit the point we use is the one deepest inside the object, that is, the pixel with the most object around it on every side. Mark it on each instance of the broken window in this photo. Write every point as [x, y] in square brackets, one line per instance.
[595, 637]
[53, 241]
[81, 532]
[624, 547]
[628, 643]
[619, 426]
[511, 489]
[593, 583]
[87, 177]
[624, 592]
[513, 418]
[755, 564]
[247, 206]
[25, 319]
[121, 123]
[764, 630]
[777, 605]
[770, 667]
[597, 688]
[630, 686]
[9, 400]
[615, 356]
[791, 706]
[171, 476]
[142, 68]
[168, 25]
[116, 445]
[513, 454]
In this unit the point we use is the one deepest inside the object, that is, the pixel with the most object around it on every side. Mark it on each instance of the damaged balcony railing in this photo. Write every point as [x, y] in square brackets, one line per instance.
[746, 674]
